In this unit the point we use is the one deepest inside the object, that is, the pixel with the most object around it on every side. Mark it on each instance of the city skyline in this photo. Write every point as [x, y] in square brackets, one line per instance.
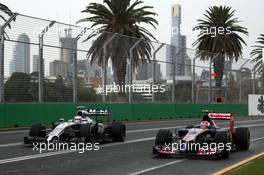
[71, 12]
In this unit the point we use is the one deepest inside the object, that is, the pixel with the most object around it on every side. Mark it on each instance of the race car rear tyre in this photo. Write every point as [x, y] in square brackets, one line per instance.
[86, 131]
[118, 131]
[163, 136]
[37, 130]
[242, 138]
[221, 137]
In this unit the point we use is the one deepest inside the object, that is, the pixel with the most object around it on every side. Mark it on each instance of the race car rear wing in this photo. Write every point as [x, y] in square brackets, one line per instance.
[102, 112]
[98, 112]
[223, 116]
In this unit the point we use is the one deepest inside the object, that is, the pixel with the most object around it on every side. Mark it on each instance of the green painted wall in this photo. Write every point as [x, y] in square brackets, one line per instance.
[25, 114]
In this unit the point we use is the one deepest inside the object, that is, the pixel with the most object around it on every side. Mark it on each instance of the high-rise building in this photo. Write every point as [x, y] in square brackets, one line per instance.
[145, 71]
[177, 52]
[67, 44]
[58, 67]
[21, 55]
[67, 52]
[36, 61]
[188, 67]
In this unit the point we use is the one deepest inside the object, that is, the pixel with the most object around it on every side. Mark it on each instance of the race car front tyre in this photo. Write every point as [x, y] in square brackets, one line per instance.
[163, 136]
[221, 137]
[86, 131]
[37, 130]
[118, 131]
[242, 138]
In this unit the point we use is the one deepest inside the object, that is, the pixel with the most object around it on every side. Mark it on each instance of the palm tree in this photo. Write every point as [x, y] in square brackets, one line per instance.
[257, 54]
[6, 11]
[122, 17]
[227, 43]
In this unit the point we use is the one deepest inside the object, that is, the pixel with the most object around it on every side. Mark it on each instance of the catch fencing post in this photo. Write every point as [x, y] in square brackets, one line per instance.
[41, 65]
[132, 67]
[74, 80]
[194, 81]
[210, 79]
[173, 80]
[174, 73]
[2, 55]
[154, 68]
[254, 79]
[240, 81]
[104, 65]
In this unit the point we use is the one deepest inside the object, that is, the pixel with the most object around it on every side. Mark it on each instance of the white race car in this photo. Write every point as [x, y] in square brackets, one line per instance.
[84, 127]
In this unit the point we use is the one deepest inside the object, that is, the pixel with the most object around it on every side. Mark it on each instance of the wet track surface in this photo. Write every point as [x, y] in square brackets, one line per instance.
[131, 157]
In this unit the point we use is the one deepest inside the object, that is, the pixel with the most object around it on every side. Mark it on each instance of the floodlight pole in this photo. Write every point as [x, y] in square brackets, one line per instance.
[154, 68]
[104, 65]
[131, 56]
[41, 60]
[2, 56]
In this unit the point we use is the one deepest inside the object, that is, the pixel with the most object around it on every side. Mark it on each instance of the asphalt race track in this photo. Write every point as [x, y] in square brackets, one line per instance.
[131, 157]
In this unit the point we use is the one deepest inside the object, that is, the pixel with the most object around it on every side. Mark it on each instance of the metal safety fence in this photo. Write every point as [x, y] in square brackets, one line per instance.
[48, 61]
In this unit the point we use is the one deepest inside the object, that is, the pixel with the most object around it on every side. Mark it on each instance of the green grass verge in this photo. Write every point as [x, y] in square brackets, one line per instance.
[252, 168]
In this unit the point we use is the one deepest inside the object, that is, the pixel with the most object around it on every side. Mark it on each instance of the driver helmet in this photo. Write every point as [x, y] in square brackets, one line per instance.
[83, 113]
[77, 119]
[205, 124]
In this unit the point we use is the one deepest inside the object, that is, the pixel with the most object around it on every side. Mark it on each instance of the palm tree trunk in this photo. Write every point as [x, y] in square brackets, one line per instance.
[219, 70]
[121, 77]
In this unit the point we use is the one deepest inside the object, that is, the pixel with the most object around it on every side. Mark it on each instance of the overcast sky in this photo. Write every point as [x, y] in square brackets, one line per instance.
[68, 11]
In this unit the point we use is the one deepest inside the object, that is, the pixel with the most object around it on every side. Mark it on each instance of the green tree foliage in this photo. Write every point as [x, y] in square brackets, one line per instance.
[122, 17]
[219, 34]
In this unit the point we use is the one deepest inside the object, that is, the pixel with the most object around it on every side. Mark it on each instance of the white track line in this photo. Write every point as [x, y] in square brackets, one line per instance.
[16, 159]
[157, 167]
[256, 139]
[13, 132]
[10, 144]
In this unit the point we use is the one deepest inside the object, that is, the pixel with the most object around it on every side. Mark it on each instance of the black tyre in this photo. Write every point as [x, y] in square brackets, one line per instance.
[163, 136]
[222, 137]
[37, 130]
[118, 131]
[86, 131]
[242, 139]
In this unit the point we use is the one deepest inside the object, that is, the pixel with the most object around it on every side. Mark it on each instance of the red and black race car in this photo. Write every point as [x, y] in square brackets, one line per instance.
[205, 139]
